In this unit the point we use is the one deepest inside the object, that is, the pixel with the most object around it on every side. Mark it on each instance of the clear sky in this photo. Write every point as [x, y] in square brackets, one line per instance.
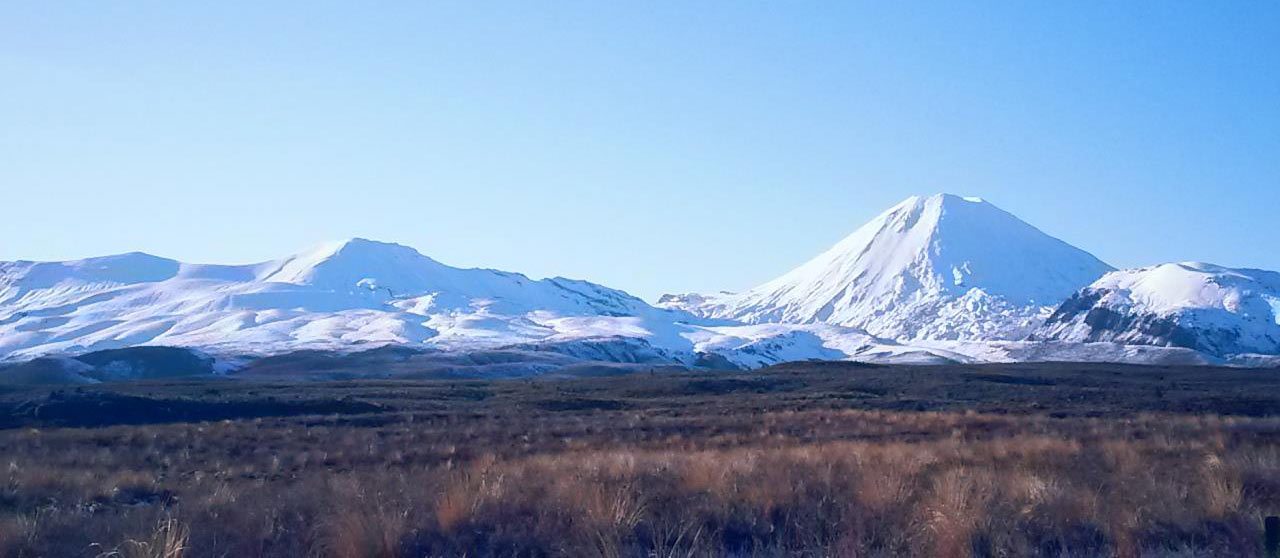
[649, 146]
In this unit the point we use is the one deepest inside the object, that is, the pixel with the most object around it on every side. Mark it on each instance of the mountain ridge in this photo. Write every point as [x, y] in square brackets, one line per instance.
[334, 295]
[934, 279]
[1210, 308]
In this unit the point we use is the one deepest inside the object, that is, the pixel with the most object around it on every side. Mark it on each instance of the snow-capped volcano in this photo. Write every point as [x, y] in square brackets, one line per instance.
[1209, 308]
[936, 267]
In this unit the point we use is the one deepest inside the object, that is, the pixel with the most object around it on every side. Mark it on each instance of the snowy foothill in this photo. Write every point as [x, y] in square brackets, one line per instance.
[338, 295]
[1210, 308]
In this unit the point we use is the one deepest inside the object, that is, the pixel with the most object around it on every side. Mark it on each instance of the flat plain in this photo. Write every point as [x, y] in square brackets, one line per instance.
[803, 459]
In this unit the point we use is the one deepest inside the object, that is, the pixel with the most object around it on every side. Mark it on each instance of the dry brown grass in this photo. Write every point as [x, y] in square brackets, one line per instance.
[168, 540]
[661, 482]
[1096, 488]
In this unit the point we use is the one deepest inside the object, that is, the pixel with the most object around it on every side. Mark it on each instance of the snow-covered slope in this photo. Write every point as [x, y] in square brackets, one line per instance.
[903, 275]
[937, 267]
[358, 294]
[1209, 308]
[334, 296]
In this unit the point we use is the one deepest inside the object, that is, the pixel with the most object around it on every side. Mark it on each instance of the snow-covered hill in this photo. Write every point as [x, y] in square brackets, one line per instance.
[335, 296]
[1209, 308]
[937, 267]
[357, 294]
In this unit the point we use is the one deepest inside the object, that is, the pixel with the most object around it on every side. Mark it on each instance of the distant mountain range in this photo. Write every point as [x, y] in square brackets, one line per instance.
[933, 279]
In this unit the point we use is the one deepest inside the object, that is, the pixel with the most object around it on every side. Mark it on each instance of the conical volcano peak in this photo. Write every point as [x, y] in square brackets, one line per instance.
[945, 198]
[928, 212]
[357, 247]
[944, 203]
[899, 274]
[941, 199]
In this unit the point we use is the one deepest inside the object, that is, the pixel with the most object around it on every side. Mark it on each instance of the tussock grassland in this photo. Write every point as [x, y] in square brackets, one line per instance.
[782, 463]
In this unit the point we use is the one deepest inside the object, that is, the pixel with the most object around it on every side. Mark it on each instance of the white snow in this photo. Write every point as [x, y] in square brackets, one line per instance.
[335, 296]
[1217, 309]
[1170, 287]
[1274, 303]
[937, 267]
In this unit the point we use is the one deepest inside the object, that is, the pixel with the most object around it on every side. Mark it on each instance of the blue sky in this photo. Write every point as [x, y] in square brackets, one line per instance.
[649, 146]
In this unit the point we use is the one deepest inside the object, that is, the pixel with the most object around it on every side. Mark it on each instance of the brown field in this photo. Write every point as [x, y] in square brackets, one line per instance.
[799, 460]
